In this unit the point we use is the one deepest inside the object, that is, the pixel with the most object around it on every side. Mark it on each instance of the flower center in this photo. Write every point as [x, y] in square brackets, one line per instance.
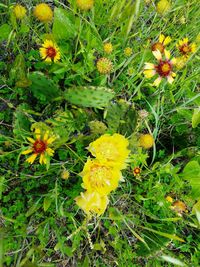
[39, 146]
[164, 68]
[137, 170]
[51, 52]
[108, 151]
[185, 49]
[158, 46]
[99, 176]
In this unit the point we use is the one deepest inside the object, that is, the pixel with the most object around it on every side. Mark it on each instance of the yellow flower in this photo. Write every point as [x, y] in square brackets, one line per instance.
[180, 62]
[92, 203]
[108, 48]
[169, 199]
[136, 171]
[43, 12]
[179, 207]
[40, 147]
[101, 178]
[111, 150]
[160, 45]
[65, 175]
[49, 51]
[128, 51]
[185, 47]
[164, 69]
[163, 7]
[104, 65]
[85, 4]
[19, 11]
[146, 141]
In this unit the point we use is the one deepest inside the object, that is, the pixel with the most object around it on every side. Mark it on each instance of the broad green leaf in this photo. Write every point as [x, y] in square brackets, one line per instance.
[33, 208]
[191, 173]
[196, 118]
[196, 210]
[47, 203]
[63, 27]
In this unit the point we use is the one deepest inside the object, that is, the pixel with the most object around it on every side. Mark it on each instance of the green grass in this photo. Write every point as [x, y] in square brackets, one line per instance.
[40, 223]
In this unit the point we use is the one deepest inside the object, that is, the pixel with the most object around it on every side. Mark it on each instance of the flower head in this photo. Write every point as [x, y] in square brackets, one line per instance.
[104, 65]
[136, 171]
[101, 178]
[180, 62]
[169, 199]
[108, 48]
[43, 12]
[40, 147]
[19, 11]
[111, 150]
[160, 45]
[185, 47]
[49, 51]
[85, 4]
[128, 51]
[97, 127]
[164, 68]
[146, 141]
[179, 207]
[65, 175]
[163, 7]
[92, 203]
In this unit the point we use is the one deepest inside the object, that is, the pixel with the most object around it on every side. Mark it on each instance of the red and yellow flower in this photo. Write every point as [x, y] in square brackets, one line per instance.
[185, 47]
[162, 42]
[40, 146]
[164, 68]
[49, 51]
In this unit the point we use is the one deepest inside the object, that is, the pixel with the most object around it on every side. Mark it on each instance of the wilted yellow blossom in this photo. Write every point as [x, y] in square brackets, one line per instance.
[43, 12]
[19, 11]
[163, 7]
[85, 4]
[104, 65]
[92, 203]
[146, 141]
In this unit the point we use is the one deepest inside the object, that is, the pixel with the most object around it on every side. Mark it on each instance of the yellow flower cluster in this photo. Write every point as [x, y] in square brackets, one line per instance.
[102, 174]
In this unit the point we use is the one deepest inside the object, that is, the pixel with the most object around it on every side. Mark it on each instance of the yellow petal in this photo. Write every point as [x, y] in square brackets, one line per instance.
[149, 73]
[161, 38]
[32, 158]
[50, 151]
[48, 43]
[37, 133]
[31, 140]
[157, 54]
[185, 40]
[43, 52]
[173, 61]
[157, 81]
[167, 40]
[46, 135]
[173, 74]
[149, 66]
[48, 59]
[51, 139]
[41, 160]
[167, 54]
[170, 79]
[193, 47]
[25, 152]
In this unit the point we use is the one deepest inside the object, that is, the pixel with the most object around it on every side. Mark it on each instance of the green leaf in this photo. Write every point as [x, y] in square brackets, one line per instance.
[21, 122]
[172, 260]
[5, 30]
[47, 203]
[2, 179]
[33, 208]
[63, 27]
[191, 173]
[196, 210]
[196, 118]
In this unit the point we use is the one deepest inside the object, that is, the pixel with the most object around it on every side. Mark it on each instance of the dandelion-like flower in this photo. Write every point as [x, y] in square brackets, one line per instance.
[92, 203]
[40, 147]
[136, 171]
[101, 178]
[163, 7]
[111, 150]
[185, 47]
[108, 48]
[162, 42]
[146, 141]
[85, 4]
[104, 65]
[128, 51]
[43, 13]
[49, 51]
[164, 68]
[19, 11]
